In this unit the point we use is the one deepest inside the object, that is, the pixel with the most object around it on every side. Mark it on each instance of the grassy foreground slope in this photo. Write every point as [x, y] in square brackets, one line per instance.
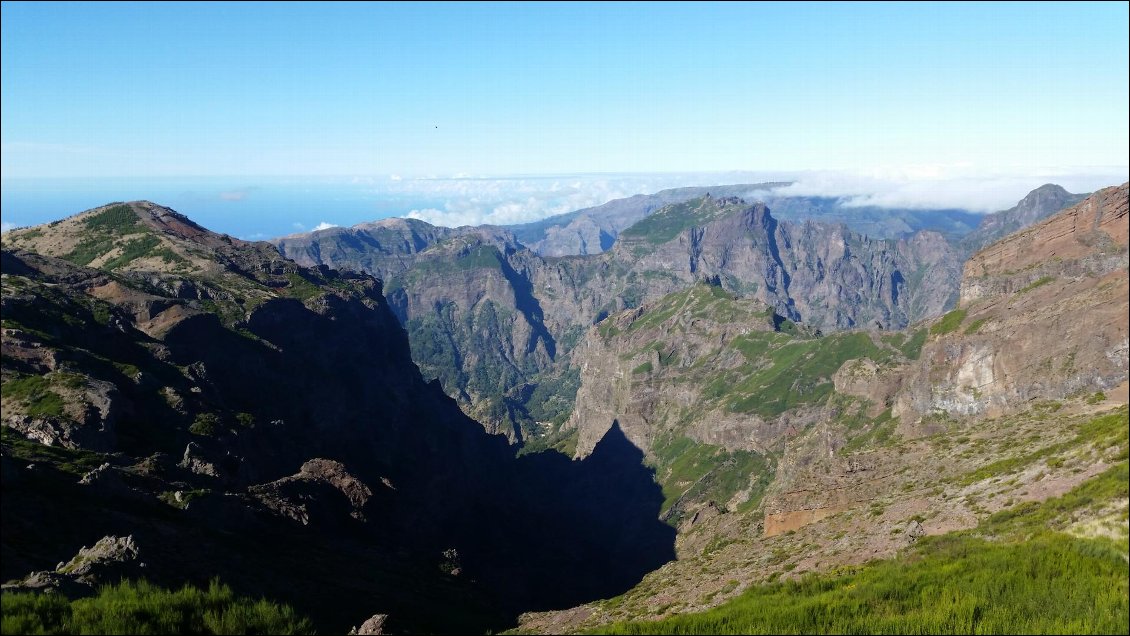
[1023, 570]
[141, 608]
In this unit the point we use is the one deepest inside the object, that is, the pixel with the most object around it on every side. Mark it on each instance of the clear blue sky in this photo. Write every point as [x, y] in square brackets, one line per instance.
[147, 89]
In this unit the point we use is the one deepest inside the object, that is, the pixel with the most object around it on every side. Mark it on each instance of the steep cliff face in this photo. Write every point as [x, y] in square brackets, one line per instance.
[242, 405]
[712, 388]
[475, 323]
[1042, 315]
[1018, 335]
[1041, 324]
[462, 294]
[495, 322]
[223, 347]
[386, 249]
[824, 275]
[634, 367]
[381, 248]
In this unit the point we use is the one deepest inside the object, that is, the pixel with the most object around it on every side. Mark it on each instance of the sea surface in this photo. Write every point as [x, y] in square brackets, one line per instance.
[247, 208]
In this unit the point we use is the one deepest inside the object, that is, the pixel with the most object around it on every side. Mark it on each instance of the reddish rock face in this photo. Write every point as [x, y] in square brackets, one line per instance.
[1072, 234]
[1044, 317]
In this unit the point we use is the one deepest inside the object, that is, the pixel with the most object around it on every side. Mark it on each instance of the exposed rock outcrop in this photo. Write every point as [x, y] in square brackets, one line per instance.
[373, 626]
[1020, 332]
[109, 559]
[194, 461]
[292, 496]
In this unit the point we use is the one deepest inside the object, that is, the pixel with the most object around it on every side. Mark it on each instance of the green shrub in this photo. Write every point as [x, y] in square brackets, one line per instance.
[133, 250]
[90, 248]
[35, 391]
[690, 471]
[975, 326]
[301, 288]
[1040, 282]
[913, 346]
[799, 371]
[117, 218]
[73, 461]
[205, 425]
[103, 227]
[948, 323]
[1100, 432]
[142, 608]
[667, 223]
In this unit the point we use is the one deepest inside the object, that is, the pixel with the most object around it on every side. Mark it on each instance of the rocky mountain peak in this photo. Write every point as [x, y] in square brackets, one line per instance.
[1045, 196]
[138, 236]
[1036, 205]
[1082, 238]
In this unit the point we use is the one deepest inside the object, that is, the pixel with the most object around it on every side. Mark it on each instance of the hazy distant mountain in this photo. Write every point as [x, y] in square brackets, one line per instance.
[594, 230]
[874, 221]
[1039, 204]
[383, 248]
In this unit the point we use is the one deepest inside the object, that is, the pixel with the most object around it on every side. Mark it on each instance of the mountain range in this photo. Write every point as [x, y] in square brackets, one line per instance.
[237, 415]
[495, 320]
[455, 430]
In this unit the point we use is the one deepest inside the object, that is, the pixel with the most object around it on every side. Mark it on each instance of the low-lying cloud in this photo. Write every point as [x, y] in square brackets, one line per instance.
[509, 201]
[939, 187]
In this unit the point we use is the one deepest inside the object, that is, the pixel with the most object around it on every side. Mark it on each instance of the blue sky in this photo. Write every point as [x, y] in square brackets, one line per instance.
[300, 89]
[239, 90]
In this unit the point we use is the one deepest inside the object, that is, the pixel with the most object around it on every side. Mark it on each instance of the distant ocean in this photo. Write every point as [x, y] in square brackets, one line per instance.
[258, 208]
[248, 208]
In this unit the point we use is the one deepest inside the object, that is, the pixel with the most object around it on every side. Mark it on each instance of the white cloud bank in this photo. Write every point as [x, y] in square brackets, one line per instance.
[951, 186]
[462, 200]
[510, 201]
[323, 226]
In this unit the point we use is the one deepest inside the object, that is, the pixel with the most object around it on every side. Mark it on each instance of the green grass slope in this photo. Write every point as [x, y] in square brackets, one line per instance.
[1019, 572]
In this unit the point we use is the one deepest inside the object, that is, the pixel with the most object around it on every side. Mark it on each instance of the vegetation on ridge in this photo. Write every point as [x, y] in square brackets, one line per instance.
[705, 472]
[781, 367]
[948, 323]
[664, 225]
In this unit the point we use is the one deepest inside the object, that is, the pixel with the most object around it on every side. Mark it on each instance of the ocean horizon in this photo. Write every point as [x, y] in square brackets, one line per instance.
[247, 208]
